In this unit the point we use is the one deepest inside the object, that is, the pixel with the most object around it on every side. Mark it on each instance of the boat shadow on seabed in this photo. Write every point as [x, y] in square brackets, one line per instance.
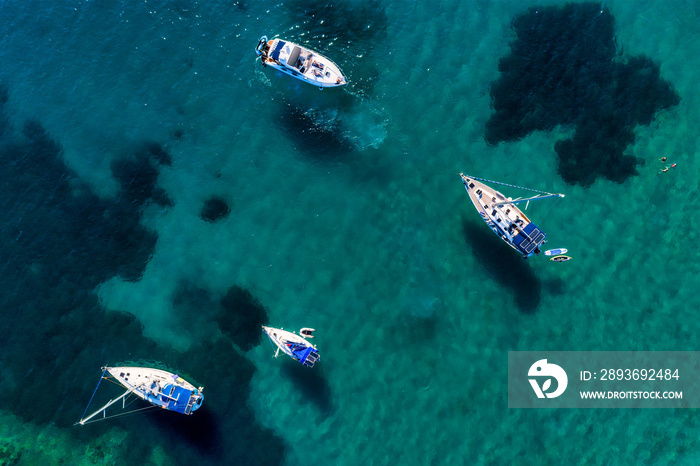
[201, 431]
[509, 270]
[313, 385]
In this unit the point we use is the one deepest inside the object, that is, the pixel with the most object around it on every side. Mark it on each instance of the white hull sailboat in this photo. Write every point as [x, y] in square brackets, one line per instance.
[160, 388]
[293, 345]
[503, 216]
[299, 62]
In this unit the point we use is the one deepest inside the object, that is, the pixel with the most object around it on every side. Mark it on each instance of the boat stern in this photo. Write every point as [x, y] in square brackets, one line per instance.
[196, 400]
[529, 240]
[260, 49]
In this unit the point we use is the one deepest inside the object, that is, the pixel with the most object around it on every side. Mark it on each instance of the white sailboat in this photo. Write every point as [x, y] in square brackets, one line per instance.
[293, 345]
[299, 62]
[160, 388]
[503, 216]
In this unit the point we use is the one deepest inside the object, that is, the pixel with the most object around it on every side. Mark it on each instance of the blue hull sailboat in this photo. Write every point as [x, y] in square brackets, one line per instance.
[293, 345]
[160, 388]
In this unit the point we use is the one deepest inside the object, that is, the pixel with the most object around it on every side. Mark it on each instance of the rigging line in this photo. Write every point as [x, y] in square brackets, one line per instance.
[551, 206]
[121, 414]
[93, 393]
[271, 344]
[133, 400]
[510, 185]
[270, 340]
[131, 389]
[114, 381]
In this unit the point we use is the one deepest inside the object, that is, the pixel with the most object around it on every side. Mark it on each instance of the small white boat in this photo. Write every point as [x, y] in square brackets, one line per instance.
[503, 216]
[299, 62]
[160, 388]
[293, 345]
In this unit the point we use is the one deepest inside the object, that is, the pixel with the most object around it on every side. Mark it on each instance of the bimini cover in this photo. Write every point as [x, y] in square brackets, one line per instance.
[301, 352]
[529, 238]
[181, 395]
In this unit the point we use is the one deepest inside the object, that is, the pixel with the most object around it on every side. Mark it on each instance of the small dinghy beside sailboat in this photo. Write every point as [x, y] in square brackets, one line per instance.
[162, 389]
[293, 345]
[502, 215]
[299, 62]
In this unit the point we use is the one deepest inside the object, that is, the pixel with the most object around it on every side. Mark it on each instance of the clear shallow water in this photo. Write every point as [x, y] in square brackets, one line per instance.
[373, 244]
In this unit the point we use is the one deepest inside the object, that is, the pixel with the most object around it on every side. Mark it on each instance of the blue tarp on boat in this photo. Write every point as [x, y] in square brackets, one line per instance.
[301, 352]
[529, 238]
[181, 397]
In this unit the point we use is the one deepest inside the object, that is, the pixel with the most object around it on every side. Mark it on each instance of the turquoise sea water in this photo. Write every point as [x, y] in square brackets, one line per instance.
[346, 215]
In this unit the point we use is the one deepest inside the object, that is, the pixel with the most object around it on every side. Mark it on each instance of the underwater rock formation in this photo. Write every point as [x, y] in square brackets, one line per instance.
[242, 317]
[58, 242]
[157, 151]
[138, 175]
[214, 209]
[564, 69]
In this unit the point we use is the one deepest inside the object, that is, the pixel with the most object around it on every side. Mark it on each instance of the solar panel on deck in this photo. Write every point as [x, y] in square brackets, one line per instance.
[529, 238]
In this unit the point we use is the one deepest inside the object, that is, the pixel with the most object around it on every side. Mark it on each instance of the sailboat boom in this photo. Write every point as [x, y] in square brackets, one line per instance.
[111, 402]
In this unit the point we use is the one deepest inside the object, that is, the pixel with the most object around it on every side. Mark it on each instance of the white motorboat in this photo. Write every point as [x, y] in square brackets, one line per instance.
[299, 62]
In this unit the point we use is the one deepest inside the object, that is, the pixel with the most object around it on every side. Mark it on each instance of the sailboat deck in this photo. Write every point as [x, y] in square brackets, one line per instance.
[504, 217]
